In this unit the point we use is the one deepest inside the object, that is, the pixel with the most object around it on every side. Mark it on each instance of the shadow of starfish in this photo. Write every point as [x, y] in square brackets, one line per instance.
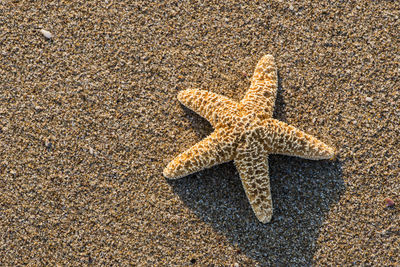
[303, 191]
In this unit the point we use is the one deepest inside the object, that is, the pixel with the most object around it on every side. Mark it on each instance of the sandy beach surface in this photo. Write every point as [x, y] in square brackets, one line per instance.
[89, 118]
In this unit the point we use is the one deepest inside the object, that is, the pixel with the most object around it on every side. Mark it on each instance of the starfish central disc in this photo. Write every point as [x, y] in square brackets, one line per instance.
[246, 133]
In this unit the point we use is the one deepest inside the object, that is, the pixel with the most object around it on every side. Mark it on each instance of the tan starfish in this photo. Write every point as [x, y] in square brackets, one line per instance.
[246, 133]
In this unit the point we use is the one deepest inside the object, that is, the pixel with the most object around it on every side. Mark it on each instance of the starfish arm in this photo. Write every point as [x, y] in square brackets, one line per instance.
[264, 84]
[209, 105]
[215, 149]
[253, 171]
[285, 139]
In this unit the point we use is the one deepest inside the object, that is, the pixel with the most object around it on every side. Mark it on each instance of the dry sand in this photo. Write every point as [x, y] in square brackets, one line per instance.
[89, 119]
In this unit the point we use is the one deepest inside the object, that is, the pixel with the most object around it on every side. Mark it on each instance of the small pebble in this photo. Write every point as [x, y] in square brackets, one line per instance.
[46, 34]
[389, 202]
[369, 99]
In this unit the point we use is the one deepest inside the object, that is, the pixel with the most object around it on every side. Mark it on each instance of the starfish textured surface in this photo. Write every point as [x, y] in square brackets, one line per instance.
[246, 133]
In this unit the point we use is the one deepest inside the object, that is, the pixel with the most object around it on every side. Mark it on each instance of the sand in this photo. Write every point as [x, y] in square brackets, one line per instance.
[89, 119]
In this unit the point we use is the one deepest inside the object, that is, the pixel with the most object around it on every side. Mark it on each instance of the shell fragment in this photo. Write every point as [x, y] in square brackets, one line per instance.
[46, 34]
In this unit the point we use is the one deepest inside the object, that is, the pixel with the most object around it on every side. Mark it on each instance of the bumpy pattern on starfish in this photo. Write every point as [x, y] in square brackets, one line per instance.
[246, 133]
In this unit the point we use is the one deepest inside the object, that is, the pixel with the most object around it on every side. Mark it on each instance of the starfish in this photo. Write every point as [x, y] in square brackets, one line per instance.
[246, 133]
